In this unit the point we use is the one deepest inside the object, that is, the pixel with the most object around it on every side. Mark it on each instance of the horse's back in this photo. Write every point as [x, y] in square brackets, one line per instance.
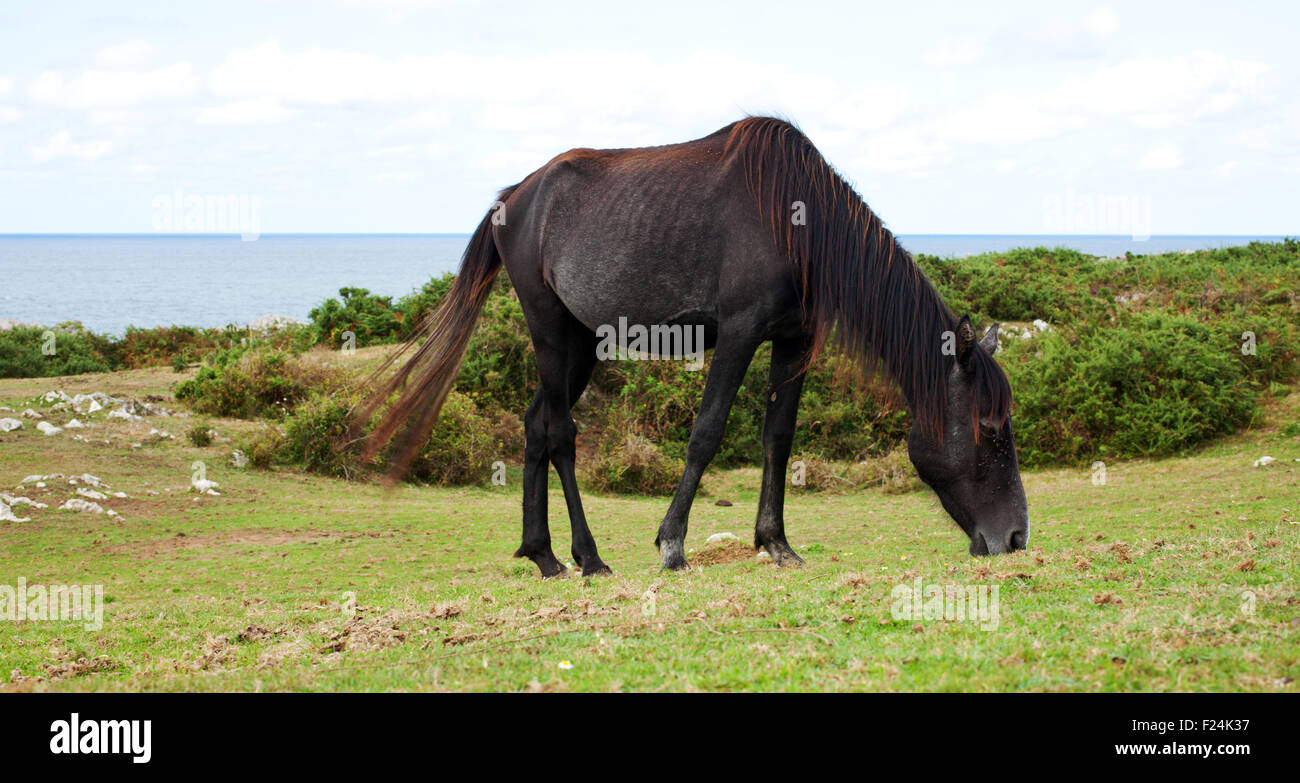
[645, 233]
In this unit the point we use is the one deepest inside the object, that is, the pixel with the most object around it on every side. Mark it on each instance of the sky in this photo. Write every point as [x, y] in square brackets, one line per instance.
[408, 115]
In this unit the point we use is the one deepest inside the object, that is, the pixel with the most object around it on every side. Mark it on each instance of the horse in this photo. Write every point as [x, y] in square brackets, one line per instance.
[750, 233]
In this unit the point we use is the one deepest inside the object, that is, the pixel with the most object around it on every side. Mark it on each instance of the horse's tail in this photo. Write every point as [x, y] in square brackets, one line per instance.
[427, 377]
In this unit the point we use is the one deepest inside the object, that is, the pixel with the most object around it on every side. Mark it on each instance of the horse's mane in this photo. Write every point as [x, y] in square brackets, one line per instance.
[854, 278]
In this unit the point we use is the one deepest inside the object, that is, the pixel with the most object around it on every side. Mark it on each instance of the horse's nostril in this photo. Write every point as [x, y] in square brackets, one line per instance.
[1017, 540]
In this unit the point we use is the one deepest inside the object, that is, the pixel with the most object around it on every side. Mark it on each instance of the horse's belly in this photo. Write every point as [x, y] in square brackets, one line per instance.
[643, 290]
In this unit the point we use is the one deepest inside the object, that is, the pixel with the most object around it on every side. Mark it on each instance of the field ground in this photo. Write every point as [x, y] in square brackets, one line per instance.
[1176, 574]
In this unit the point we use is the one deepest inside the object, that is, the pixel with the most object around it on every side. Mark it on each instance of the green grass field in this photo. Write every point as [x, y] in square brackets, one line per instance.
[1176, 574]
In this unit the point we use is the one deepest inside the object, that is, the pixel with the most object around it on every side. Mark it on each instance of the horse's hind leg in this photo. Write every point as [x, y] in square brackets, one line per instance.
[785, 384]
[536, 545]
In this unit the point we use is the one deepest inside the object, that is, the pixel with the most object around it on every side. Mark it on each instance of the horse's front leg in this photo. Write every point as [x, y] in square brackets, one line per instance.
[731, 360]
[785, 384]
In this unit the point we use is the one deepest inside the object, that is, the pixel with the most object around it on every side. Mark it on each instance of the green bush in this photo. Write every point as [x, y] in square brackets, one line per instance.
[633, 464]
[200, 435]
[75, 351]
[1155, 384]
[259, 383]
[461, 448]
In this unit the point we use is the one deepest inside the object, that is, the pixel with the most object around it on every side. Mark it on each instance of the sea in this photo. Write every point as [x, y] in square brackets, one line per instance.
[110, 282]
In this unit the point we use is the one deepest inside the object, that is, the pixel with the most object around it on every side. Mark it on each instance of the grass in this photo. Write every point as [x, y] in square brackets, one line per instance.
[292, 581]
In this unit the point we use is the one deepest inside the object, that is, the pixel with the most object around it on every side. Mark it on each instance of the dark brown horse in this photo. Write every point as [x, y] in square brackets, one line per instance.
[751, 234]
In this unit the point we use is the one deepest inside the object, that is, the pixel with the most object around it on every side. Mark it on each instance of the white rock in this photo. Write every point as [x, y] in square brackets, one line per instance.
[73, 425]
[55, 396]
[21, 501]
[238, 459]
[94, 406]
[9, 425]
[123, 413]
[31, 414]
[7, 514]
[118, 494]
[1042, 326]
[92, 494]
[47, 428]
[717, 537]
[40, 485]
[77, 504]
[763, 555]
[1264, 461]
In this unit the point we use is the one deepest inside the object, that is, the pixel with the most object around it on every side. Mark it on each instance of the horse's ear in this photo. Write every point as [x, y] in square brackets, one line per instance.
[989, 341]
[965, 340]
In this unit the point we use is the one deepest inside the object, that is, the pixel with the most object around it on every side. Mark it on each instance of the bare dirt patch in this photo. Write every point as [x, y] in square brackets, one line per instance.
[724, 552]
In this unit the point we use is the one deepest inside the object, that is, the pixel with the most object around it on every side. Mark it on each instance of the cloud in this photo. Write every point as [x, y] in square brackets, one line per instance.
[6, 86]
[1103, 22]
[954, 53]
[1166, 156]
[255, 112]
[102, 88]
[1006, 118]
[62, 146]
[124, 55]
[1198, 84]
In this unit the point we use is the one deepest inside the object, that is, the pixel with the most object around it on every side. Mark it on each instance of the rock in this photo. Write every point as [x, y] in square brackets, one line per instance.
[238, 459]
[1264, 461]
[123, 413]
[763, 555]
[723, 502]
[21, 501]
[73, 425]
[9, 425]
[203, 485]
[85, 506]
[271, 323]
[47, 428]
[55, 396]
[31, 414]
[94, 406]
[718, 538]
[7, 514]
[1042, 326]
[92, 494]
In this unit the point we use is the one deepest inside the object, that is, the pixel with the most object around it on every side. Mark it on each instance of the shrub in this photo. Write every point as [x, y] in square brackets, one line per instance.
[200, 435]
[1156, 384]
[314, 437]
[76, 351]
[265, 447]
[461, 448]
[260, 383]
[633, 464]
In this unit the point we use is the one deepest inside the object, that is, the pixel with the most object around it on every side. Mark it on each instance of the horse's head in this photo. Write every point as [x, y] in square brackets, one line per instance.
[973, 468]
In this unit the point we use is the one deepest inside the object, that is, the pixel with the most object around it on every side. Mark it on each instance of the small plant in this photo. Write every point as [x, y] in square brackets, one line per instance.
[200, 435]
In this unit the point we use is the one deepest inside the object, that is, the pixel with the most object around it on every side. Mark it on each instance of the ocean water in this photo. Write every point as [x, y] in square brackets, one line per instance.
[110, 282]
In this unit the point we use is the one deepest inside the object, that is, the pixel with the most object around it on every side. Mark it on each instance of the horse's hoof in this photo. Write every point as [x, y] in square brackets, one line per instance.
[673, 555]
[598, 569]
[783, 555]
[546, 563]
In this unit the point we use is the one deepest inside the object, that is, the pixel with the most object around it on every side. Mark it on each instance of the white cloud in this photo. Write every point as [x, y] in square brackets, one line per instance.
[101, 88]
[61, 146]
[6, 85]
[901, 151]
[870, 108]
[255, 112]
[953, 53]
[1166, 156]
[1103, 22]
[124, 55]
[1004, 118]
[1198, 84]
[9, 114]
